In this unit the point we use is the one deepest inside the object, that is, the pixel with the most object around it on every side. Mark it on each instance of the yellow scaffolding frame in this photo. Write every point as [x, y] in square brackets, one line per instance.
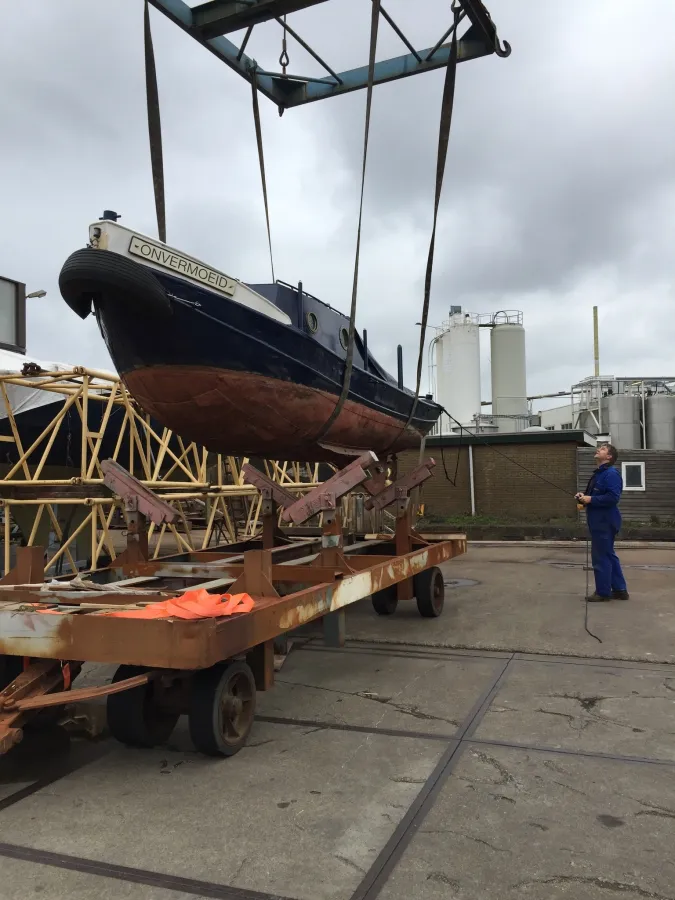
[183, 474]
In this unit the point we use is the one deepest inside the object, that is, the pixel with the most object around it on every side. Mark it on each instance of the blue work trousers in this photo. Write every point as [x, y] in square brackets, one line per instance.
[606, 565]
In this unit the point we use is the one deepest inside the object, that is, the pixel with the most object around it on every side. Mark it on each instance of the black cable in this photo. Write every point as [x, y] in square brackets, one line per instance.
[535, 475]
[515, 462]
[453, 481]
[599, 640]
[445, 468]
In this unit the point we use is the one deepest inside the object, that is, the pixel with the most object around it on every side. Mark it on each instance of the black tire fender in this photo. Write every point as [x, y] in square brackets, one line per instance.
[100, 277]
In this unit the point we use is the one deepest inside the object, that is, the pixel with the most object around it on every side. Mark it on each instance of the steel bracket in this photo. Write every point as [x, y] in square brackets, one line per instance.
[401, 488]
[324, 497]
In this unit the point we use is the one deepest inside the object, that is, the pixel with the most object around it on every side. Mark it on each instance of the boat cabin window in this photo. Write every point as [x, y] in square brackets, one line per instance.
[312, 322]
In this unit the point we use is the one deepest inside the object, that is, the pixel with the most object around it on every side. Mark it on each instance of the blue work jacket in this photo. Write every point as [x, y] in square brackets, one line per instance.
[604, 489]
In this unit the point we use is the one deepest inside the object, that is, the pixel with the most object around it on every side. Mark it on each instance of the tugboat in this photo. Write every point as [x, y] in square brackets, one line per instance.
[246, 369]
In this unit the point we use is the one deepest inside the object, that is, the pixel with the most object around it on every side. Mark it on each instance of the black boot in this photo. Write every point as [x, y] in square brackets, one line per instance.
[620, 595]
[597, 598]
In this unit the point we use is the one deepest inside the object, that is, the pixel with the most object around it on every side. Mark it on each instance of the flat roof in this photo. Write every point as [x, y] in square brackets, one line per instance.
[568, 436]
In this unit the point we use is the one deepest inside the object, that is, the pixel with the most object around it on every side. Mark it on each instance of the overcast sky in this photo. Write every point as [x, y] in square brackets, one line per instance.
[559, 192]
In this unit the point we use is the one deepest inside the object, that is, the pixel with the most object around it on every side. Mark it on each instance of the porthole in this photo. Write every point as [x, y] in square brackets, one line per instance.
[312, 322]
[344, 338]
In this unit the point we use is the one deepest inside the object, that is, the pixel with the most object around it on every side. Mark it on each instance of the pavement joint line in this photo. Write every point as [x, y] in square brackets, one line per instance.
[360, 729]
[388, 858]
[451, 655]
[90, 755]
[588, 754]
[428, 736]
[376, 877]
[618, 665]
[402, 654]
[135, 876]
[361, 644]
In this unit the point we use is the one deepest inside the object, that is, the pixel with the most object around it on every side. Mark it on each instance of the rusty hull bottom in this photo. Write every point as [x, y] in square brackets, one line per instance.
[253, 415]
[177, 644]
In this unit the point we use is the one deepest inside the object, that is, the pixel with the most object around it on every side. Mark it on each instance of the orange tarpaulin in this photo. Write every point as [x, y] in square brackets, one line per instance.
[191, 605]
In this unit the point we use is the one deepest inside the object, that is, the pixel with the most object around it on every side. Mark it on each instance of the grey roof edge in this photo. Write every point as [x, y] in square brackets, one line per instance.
[569, 436]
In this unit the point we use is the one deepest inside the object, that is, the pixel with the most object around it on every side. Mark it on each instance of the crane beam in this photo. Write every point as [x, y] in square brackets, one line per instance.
[225, 16]
[208, 23]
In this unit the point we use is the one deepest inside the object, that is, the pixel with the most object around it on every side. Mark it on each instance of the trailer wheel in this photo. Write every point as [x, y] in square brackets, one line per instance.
[222, 708]
[135, 717]
[430, 592]
[385, 601]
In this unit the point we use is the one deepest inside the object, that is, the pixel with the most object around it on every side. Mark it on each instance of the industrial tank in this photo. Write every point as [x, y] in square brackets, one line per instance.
[621, 418]
[509, 380]
[457, 352]
[660, 415]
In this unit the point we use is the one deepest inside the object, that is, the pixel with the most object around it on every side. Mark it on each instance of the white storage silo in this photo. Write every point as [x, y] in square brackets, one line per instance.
[457, 352]
[509, 379]
[621, 419]
[660, 415]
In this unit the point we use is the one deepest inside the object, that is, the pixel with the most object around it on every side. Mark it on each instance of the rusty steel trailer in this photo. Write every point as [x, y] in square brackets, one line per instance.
[208, 668]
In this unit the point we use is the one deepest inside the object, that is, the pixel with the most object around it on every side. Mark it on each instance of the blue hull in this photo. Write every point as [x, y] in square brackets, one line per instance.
[240, 382]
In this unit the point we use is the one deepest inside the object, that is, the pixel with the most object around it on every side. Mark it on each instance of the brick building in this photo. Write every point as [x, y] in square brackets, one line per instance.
[502, 485]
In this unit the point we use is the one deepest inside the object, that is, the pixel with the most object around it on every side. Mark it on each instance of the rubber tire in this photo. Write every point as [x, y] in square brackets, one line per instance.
[204, 716]
[101, 276]
[429, 590]
[134, 718]
[385, 601]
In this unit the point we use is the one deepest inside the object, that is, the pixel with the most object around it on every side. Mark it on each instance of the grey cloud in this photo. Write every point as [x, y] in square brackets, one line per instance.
[559, 190]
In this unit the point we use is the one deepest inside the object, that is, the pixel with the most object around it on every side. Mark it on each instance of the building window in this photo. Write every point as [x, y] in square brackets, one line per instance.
[550, 427]
[12, 316]
[633, 474]
[566, 426]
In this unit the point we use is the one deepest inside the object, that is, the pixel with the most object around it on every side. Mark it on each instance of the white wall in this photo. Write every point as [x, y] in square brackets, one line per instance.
[558, 416]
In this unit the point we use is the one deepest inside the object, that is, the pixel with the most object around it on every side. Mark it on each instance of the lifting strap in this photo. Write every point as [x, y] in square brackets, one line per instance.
[443, 139]
[349, 361]
[261, 160]
[154, 125]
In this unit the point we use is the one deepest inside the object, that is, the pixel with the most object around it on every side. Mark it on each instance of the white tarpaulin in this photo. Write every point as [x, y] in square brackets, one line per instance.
[23, 398]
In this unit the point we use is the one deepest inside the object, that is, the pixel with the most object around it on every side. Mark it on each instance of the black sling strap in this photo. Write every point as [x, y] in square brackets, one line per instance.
[443, 140]
[349, 361]
[261, 160]
[154, 125]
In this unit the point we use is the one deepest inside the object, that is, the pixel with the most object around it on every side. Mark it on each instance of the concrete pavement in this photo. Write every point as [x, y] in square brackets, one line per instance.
[496, 752]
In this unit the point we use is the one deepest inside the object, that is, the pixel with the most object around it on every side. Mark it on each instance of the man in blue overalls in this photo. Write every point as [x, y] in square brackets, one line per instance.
[604, 521]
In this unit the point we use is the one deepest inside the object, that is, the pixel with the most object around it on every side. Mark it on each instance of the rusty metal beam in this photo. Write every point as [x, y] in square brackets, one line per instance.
[325, 496]
[90, 693]
[402, 486]
[41, 677]
[136, 497]
[174, 644]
